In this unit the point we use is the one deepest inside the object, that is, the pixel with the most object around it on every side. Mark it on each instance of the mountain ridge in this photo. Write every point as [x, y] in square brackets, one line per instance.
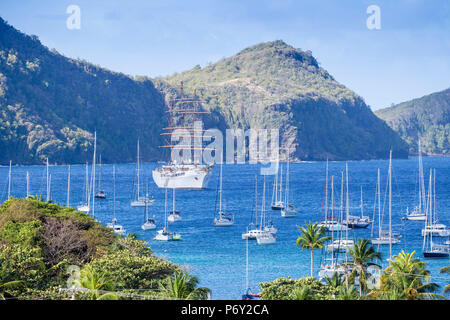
[427, 118]
[50, 105]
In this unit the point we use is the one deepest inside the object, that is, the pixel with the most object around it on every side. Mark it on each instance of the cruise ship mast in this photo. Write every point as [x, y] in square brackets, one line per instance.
[181, 111]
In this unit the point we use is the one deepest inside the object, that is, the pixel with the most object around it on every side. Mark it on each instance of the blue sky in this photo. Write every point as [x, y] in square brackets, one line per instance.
[407, 58]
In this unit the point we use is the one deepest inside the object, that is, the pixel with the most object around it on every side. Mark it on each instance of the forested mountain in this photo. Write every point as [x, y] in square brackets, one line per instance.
[427, 118]
[50, 105]
[273, 85]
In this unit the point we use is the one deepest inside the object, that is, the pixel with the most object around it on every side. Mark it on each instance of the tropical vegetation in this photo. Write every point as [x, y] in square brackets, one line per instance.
[49, 251]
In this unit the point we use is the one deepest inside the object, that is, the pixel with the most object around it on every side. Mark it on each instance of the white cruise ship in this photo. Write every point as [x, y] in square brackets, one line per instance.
[183, 176]
[183, 173]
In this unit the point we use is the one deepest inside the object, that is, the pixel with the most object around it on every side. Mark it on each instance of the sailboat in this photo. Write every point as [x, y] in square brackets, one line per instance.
[340, 244]
[117, 228]
[277, 202]
[100, 194]
[255, 229]
[289, 210]
[418, 213]
[429, 248]
[386, 237]
[433, 226]
[331, 265]
[265, 237]
[138, 200]
[225, 219]
[84, 207]
[165, 234]
[355, 222]
[330, 223]
[174, 215]
[149, 223]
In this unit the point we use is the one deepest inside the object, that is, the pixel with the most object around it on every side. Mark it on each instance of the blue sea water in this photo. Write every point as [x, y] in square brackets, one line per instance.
[217, 255]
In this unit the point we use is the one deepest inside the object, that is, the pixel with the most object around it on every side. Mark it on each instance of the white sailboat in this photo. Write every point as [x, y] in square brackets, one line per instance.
[355, 222]
[117, 228]
[433, 226]
[341, 244]
[386, 237]
[265, 237]
[139, 201]
[330, 223]
[84, 206]
[431, 249]
[418, 213]
[149, 223]
[289, 210]
[253, 230]
[174, 215]
[330, 266]
[165, 234]
[225, 219]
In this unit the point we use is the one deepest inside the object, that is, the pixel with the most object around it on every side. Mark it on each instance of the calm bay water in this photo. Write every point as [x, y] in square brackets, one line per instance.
[217, 255]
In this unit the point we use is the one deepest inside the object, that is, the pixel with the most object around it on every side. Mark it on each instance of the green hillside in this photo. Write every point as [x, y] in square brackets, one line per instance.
[273, 85]
[50, 105]
[427, 118]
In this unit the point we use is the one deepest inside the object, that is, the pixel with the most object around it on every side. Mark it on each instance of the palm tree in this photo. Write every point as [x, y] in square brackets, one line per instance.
[96, 282]
[183, 286]
[362, 254]
[406, 278]
[9, 285]
[335, 281]
[347, 293]
[312, 238]
[445, 270]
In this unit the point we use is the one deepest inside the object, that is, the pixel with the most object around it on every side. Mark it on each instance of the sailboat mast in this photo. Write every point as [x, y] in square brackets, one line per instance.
[68, 187]
[434, 197]
[332, 214]
[263, 213]
[93, 174]
[390, 204]
[220, 191]
[362, 208]
[326, 192]
[246, 263]
[138, 172]
[256, 200]
[346, 199]
[28, 184]
[165, 212]
[9, 179]
[146, 203]
[48, 185]
[114, 192]
[420, 178]
[286, 192]
[173, 201]
[281, 183]
[379, 204]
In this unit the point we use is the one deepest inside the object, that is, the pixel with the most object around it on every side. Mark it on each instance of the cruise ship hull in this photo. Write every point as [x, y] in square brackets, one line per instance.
[182, 177]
